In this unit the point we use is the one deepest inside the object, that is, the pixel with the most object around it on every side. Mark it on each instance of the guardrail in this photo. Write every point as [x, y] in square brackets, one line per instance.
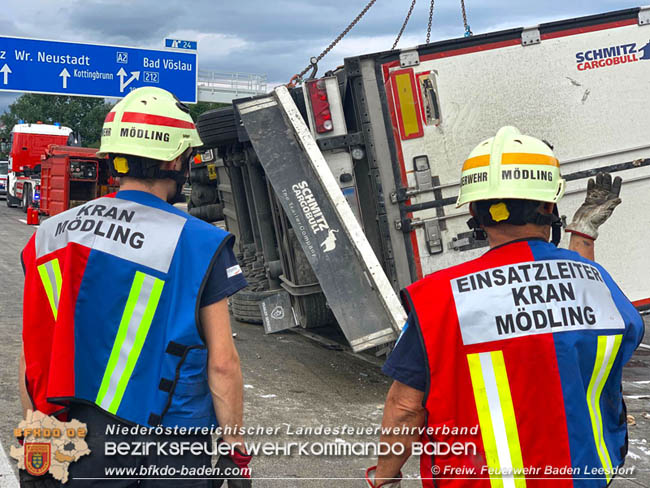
[215, 86]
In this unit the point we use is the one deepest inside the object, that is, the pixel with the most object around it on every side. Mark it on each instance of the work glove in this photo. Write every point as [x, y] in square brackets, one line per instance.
[602, 198]
[370, 478]
[234, 461]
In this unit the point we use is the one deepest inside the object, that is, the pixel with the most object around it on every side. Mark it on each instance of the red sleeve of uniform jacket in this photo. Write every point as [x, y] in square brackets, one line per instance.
[61, 378]
[38, 328]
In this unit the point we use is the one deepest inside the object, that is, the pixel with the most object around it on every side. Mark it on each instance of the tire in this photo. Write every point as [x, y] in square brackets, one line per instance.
[313, 311]
[203, 194]
[224, 124]
[217, 115]
[27, 198]
[11, 201]
[201, 176]
[217, 127]
[209, 213]
[245, 305]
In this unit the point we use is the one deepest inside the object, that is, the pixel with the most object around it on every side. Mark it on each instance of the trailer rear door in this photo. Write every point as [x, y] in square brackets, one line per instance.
[581, 84]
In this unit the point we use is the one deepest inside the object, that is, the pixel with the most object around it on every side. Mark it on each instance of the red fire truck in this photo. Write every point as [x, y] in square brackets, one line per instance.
[28, 143]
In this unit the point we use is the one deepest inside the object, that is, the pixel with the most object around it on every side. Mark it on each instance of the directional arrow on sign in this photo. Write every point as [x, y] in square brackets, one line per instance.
[65, 75]
[135, 75]
[5, 70]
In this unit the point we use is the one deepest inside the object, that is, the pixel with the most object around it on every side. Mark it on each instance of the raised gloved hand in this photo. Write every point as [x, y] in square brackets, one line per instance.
[370, 478]
[602, 198]
[235, 461]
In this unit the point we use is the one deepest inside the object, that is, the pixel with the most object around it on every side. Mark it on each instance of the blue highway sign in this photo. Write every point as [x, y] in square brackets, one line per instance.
[95, 70]
[180, 44]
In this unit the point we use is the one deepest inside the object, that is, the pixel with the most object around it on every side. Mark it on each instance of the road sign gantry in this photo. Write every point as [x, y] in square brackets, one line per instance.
[96, 70]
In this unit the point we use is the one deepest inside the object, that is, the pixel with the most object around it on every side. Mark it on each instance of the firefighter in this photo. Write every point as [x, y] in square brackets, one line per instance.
[126, 318]
[512, 362]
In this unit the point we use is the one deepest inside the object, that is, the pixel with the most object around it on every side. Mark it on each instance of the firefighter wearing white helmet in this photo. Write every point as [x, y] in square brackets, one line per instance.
[144, 338]
[146, 133]
[515, 179]
[508, 179]
[526, 339]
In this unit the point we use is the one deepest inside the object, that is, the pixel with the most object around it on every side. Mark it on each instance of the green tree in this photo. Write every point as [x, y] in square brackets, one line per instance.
[82, 114]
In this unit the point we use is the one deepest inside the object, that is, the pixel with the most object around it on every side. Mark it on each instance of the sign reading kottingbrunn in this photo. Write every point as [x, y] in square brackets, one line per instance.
[68, 68]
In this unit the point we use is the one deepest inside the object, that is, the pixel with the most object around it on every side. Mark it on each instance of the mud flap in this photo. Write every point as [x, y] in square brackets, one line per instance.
[357, 290]
[277, 313]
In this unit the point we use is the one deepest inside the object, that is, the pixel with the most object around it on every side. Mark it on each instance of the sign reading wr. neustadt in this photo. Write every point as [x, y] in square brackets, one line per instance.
[67, 68]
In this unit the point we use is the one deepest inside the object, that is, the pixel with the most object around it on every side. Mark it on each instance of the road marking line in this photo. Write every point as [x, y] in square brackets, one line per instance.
[25, 222]
[7, 476]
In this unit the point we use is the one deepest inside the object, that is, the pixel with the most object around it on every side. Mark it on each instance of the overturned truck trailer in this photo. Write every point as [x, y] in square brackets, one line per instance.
[342, 191]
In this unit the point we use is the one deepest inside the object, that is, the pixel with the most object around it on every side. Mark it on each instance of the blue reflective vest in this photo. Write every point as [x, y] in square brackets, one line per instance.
[133, 274]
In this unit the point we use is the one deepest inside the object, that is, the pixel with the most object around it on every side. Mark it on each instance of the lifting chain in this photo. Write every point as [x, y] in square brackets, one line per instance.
[468, 31]
[314, 61]
[406, 21]
[433, 2]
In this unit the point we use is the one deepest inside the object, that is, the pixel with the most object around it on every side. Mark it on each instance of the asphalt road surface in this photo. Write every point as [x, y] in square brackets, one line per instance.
[291, 382]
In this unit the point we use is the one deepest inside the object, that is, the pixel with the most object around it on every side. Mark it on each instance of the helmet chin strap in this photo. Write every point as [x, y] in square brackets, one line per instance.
[179, 178]
[556, 227]
[136, 169]
[479, 233]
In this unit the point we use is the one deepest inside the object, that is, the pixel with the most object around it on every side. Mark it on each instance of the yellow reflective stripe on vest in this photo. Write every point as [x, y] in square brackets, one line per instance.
[50, 274]
[134, 326]
[605, 355]
[497, 419]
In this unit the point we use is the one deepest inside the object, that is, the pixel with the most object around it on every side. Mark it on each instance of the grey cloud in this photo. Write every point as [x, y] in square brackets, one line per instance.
[6, 99]
[114, 22]
[9, 28]
[279, 36]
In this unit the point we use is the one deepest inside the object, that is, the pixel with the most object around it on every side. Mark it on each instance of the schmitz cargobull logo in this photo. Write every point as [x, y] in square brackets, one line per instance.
[612, 56]
[315, 218]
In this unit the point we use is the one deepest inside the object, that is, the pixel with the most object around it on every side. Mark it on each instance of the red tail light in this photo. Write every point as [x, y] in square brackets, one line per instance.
[320, 106]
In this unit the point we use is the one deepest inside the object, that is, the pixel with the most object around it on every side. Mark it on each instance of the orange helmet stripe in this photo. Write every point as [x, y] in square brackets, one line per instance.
[477, 162]
[512, 158]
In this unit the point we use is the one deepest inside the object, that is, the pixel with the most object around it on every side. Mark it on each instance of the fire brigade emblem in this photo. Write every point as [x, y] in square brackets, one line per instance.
[37, 457]
[49, 445]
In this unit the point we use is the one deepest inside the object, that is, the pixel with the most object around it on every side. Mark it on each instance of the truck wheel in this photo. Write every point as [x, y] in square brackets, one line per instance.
[245, 305]
[201, 175]
[217, 127]
[27, 198]
[12, 201]
[312, 311]
[203, 194]
[209, 213]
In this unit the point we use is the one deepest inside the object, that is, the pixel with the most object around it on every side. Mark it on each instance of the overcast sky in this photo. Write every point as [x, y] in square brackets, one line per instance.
[275, 38]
